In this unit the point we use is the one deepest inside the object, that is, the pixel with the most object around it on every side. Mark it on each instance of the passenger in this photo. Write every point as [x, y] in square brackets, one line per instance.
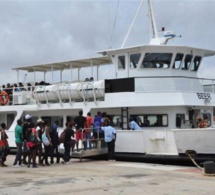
[32, 145]
[133, 125]
[16, 88]
[29, 86]
[117, 124]
[39, 128]
[98, 133]
[80, 123]
[110, 138]
[4, 144]
[21, 86]
[206, 122]
[9, 91]
[138, 120]
[200, 122]
[74, 141]
[146, 121]
[68, 142]
[27, 131]
[42, 83]
[89, 123]
[47, 147]
[55, 142]
[3, 88]
[110, 119]
[19, 142]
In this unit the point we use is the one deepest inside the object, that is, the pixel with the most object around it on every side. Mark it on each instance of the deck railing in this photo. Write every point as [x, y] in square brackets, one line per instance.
[142, 85]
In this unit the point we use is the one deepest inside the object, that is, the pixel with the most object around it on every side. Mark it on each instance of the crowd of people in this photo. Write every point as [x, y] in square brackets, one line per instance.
[31, 138]
[18, 87]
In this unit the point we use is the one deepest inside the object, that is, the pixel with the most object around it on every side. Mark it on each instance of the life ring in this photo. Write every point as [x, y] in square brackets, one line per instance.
[4, 97]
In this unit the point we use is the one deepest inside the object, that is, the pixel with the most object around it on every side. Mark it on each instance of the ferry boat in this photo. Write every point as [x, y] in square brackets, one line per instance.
[155, 83]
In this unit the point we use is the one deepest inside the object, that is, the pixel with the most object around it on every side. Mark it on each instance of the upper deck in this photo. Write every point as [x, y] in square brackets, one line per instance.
[140, 69]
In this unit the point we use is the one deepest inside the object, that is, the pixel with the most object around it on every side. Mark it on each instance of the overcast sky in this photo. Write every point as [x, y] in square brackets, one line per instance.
[45, 31]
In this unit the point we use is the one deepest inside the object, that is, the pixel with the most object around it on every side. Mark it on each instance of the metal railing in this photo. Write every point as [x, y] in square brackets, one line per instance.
[97, 142]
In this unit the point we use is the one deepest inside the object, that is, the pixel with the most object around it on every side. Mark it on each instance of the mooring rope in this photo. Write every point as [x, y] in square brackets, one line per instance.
[194, 162]
[202, 169]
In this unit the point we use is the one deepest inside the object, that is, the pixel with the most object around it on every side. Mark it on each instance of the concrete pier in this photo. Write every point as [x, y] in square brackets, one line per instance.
[104, 178]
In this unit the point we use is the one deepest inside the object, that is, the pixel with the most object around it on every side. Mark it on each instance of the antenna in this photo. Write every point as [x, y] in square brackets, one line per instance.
[152, 20]
[24, 79]
[129, 30]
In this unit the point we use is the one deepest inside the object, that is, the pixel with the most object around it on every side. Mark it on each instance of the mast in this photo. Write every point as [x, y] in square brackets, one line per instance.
[154, 31]
[155, 38]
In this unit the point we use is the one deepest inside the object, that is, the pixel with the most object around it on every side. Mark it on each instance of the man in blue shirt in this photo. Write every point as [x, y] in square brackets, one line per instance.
[110, 137]
[133, 125]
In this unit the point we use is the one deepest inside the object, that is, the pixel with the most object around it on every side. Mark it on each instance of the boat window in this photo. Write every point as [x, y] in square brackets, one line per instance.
[134, 59]
[116, 120]
[10, 119]
[157, 60]
[187, 62]
[52, 120]
[178, 61]
[151, 120]
[121, 62]
[195, 63]
[180, 119]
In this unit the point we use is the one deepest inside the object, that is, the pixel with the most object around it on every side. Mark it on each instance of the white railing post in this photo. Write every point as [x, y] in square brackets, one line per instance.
[69, 93]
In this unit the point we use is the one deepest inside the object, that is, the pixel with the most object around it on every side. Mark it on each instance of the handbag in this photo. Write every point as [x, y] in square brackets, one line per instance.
[45, 140]
[33, 139]
[25, 149]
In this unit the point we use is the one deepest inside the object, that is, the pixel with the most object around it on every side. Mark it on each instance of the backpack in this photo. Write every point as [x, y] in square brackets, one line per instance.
[45, 139]
[62, 136]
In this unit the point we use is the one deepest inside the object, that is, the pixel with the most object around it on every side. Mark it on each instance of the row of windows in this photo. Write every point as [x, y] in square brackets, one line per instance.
[161, 60]
[160, 120]
[146, 120]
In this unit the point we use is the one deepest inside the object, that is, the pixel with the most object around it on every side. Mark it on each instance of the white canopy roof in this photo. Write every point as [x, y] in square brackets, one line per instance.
[106, 59]
[74, 64]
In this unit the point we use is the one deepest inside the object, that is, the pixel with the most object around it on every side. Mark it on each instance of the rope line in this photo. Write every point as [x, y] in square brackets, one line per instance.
[114, 24]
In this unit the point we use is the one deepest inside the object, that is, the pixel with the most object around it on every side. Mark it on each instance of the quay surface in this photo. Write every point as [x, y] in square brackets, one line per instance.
[104, 177]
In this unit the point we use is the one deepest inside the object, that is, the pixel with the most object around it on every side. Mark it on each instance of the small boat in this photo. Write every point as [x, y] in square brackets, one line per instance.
[156, 84]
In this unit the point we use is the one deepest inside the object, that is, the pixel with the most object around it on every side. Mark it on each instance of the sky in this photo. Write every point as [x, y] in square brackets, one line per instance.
[45, 31]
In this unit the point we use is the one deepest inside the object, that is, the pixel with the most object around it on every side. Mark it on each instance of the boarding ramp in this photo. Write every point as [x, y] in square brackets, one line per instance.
[98, 146]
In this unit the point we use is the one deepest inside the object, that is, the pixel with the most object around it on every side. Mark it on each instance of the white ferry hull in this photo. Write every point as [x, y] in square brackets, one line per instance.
[199, 140]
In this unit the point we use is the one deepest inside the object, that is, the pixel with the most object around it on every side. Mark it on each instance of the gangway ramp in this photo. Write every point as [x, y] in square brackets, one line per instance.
[89, 152]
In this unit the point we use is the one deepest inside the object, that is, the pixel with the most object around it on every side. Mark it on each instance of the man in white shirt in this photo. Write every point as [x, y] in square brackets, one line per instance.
[133, 125]
[110, 137]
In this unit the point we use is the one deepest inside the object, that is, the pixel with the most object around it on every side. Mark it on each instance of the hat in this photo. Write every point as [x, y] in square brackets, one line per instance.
[27, 116]
[40, 120]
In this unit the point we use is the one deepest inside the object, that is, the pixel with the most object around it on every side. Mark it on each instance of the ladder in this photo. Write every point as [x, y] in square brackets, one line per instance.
[124, 117]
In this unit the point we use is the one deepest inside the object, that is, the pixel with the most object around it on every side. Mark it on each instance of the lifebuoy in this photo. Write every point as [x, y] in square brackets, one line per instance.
[4, 97]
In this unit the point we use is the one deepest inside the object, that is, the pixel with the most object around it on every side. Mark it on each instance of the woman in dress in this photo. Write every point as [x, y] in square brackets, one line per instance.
[46, 141]
[4, 145]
